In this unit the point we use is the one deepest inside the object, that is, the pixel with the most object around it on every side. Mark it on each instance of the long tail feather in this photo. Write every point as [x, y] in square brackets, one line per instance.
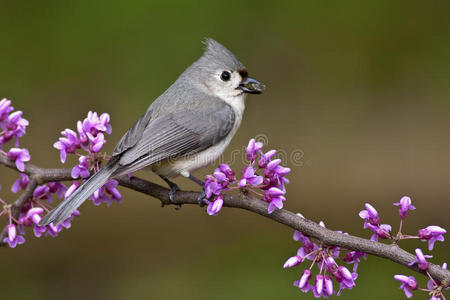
[69, 205]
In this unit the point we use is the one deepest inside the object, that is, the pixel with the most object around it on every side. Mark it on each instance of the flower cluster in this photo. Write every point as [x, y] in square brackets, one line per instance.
[12, 124]
[215, 184]
[372, 221]
[326, 258]
[409, 283]
[13, 127]
[272, 181]
[89, 138]
[430, 234]
[33, 210]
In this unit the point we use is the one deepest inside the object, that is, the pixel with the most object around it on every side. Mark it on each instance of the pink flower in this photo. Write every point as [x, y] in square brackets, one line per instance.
[19, 156]
[370, 215]
[13, 239]
[408, 284]
[405, 205]
[214, 206]
[249, 177]
[252, 149]
[432, 234]
[421, 260]
[20, 183]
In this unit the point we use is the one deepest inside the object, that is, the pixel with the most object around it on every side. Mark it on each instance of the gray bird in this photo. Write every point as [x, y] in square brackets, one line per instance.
[186, 128]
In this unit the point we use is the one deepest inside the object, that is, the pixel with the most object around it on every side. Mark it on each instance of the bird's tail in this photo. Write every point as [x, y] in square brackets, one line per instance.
[69, 205]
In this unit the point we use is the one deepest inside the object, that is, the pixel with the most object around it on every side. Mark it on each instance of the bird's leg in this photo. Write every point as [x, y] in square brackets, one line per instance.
[203, 193]
[173, 188]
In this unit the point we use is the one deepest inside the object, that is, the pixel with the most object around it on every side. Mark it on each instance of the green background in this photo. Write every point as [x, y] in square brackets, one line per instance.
[359, 88]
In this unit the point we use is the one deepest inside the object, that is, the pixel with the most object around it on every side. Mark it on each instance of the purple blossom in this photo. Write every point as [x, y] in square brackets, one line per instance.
[32, 218]
[57, 188]
[318, 288]
[42, 192]
[328, 286]
[226, 170]
[97, 142]
[308, 247]
[275, 197]
[293, 261]
[13, 239]
[432, 234]
[421, 260]
[84, 140]
[370, 215]
[298, 235]
[345, 278]
[353, 257]
[19, 156]
[214, 206]
[90, 135]
[67, 222]
[266, 158]
[249, 177]
[212, 186]
[252, 149]
[20, 183]
[408, 284]
[275, 175]
[53, 230]
[69, 143]
[5, 108]
[94, 124]
[381, 231]
[405, 206]
[272, 183]
[82, 169]
[71, 189]
[325, 257]
[331, 265]
[14, 127]
[271, 168]
[303, 283]
[107, 193]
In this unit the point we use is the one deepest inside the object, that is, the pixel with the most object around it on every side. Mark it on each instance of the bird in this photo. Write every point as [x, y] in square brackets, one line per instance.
[186, 128]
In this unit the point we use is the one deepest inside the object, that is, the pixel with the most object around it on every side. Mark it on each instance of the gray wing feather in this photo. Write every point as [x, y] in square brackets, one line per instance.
[133, 135]
[179, 133]
[68, 206]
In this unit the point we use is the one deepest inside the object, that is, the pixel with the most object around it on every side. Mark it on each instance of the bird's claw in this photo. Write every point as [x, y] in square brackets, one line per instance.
[201, 197]
[173, 189]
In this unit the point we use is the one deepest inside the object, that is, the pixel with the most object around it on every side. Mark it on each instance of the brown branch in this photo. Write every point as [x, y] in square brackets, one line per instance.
[310, 228]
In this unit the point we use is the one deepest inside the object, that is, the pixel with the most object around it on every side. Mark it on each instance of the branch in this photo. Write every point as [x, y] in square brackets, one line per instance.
[328, 237]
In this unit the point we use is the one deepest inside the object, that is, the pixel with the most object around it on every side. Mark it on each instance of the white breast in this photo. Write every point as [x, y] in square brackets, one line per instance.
[186, 165]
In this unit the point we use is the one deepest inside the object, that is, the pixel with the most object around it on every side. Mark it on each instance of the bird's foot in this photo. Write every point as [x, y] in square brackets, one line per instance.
[203, 193]
[173, 189]
[201, 198]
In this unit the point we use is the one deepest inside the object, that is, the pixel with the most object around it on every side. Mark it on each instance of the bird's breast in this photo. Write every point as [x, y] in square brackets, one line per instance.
[185, 165]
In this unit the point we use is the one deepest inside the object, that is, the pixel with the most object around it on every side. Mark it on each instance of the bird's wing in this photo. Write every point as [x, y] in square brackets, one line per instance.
[178, 133]
[132, 136]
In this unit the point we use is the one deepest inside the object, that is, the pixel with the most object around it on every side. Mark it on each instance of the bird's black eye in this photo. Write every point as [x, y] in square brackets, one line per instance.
[225, 76]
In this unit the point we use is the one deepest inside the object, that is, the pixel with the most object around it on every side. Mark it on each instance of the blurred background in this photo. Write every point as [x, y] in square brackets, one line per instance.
[360, 91]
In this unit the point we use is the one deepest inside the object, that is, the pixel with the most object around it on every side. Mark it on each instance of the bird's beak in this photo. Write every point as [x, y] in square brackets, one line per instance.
[251, 86]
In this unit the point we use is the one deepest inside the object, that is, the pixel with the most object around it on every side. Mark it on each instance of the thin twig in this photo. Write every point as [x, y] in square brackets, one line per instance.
[247, 202]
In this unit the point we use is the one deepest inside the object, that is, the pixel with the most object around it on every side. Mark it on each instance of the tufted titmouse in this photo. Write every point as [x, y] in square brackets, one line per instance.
[187, 127]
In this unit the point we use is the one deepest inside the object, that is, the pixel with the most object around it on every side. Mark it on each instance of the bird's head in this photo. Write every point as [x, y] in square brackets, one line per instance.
[222, 74]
